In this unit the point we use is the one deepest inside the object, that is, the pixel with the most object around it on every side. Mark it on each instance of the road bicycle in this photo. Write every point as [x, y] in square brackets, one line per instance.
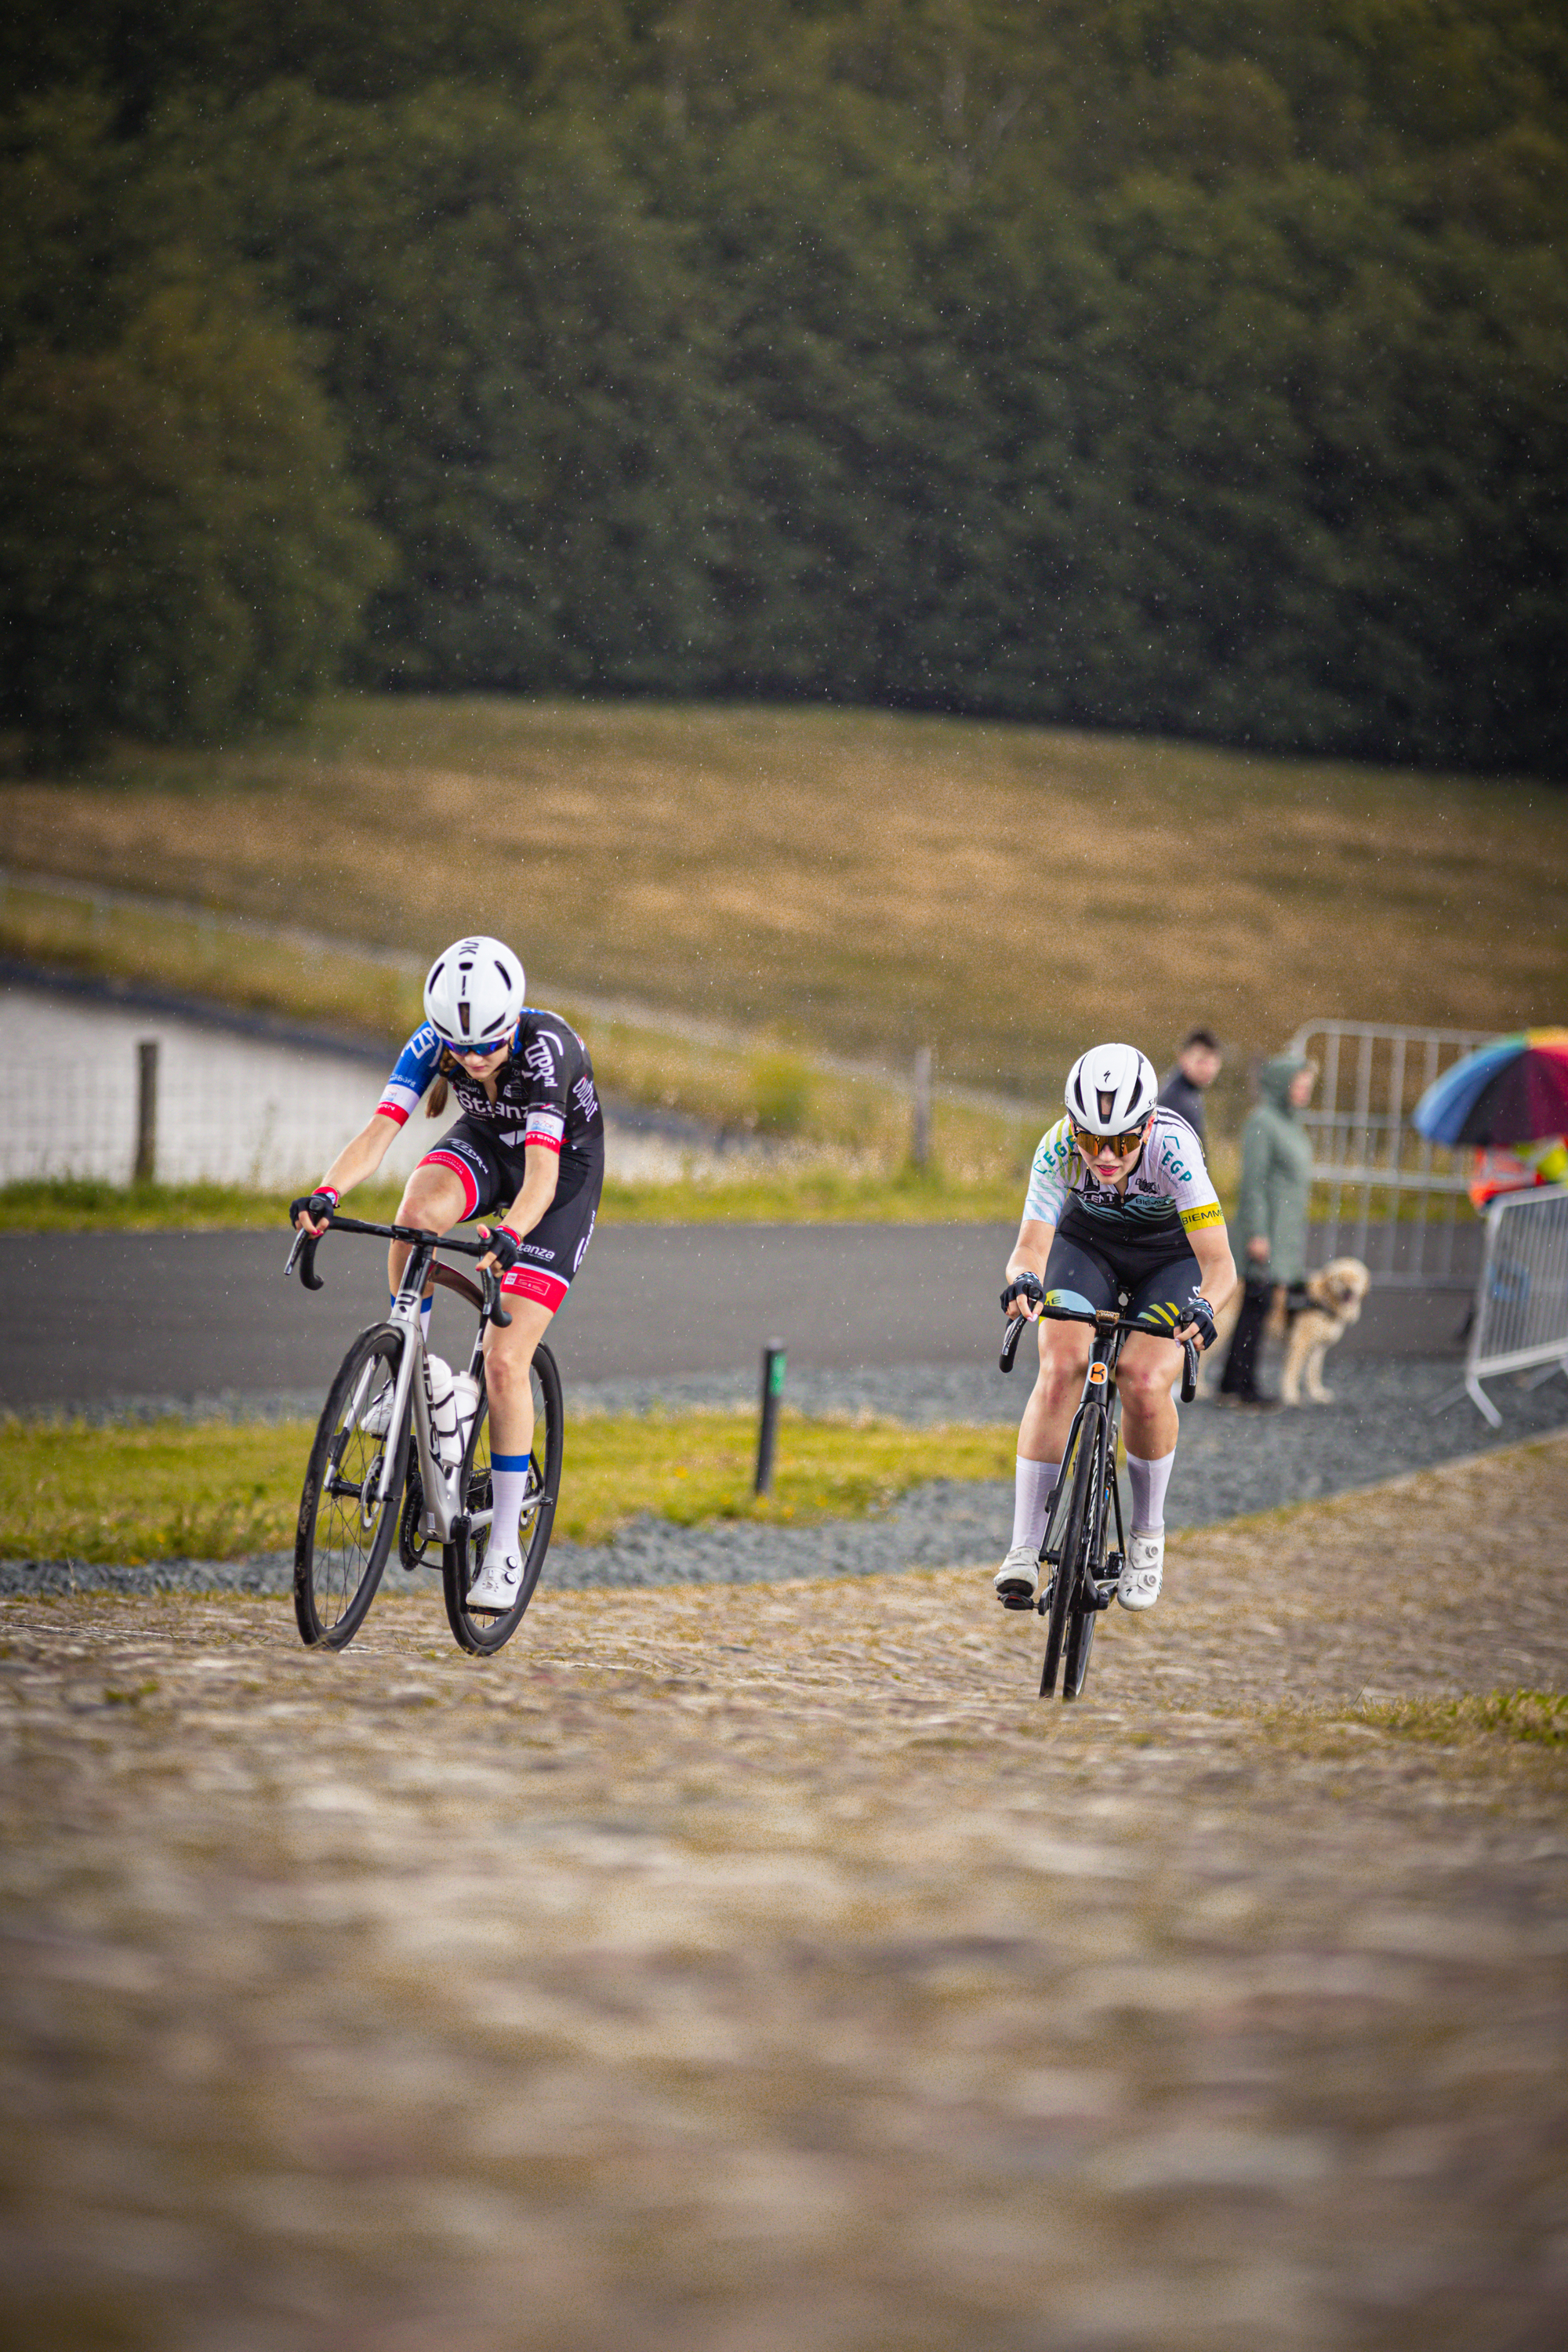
[1079, 1567]
[377, 1471]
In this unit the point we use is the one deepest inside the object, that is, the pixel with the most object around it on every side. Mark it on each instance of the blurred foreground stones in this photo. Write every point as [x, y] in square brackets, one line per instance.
[725, 1970]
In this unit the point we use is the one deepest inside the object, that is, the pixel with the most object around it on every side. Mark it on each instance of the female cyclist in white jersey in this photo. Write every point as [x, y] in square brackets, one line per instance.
[1120, 1206]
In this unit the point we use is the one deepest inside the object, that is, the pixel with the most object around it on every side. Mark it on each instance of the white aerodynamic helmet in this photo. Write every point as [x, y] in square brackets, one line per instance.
[1111, 1089]
[474, 993]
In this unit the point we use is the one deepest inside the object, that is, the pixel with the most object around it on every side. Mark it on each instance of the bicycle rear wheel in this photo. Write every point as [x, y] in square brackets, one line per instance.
[461, 1562]
[353, 1487]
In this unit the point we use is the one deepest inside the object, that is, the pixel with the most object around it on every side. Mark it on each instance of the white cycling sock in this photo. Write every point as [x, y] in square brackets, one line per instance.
[1032, 1482]
[509, 1484]
[1149, 1481]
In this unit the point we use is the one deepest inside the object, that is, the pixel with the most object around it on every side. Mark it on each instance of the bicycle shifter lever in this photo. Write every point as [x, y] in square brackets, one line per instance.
[1014, 1332]
[303, 1253]
[494, 1311]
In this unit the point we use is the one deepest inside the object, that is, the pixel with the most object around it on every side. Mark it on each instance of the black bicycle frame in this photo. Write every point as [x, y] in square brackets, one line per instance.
[1094, 1424]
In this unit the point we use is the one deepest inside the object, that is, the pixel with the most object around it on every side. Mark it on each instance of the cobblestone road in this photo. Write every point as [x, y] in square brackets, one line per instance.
[738, 1968]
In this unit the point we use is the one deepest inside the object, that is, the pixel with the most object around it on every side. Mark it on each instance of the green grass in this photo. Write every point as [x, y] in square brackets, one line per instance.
[803, 1196]
[1534, 1718]
[215, 1490]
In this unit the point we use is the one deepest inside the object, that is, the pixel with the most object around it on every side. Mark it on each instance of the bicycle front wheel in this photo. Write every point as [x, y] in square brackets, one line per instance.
[1076, 1519]
[353, 1486]
[475, 1630]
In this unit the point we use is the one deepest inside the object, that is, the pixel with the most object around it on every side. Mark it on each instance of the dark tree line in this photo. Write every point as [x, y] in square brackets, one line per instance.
[1198, 368]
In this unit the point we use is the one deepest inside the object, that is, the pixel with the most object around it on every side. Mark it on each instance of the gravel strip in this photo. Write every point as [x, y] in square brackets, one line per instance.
[1380, 1425]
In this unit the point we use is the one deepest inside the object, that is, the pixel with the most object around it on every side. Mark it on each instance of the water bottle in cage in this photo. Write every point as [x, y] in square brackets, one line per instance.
[440, 1395]
[466, 1398]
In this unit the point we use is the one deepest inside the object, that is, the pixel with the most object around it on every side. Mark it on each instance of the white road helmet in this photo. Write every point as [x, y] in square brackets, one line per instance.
[1111, 1089]
[474, 993]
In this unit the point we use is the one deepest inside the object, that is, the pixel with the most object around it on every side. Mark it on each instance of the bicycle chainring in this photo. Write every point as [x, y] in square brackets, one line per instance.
[413, 1545]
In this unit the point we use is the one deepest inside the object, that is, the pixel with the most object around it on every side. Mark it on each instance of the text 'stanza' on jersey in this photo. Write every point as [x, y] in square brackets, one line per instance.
[544, 1096]
[1169, 1185]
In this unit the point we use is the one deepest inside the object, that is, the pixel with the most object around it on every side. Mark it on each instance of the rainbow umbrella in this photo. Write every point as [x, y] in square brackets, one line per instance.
[1514, 1090]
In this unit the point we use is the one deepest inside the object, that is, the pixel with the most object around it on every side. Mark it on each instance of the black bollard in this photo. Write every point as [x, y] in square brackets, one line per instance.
[768, 1426]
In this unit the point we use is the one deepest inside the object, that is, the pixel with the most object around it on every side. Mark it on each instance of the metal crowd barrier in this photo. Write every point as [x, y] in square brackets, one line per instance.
[1521, 1318]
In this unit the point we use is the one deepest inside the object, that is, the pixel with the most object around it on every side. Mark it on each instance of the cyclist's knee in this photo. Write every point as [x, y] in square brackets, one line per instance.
[431, 1198]
[506, 1371]
[1144, 1384]
[1061, 1372]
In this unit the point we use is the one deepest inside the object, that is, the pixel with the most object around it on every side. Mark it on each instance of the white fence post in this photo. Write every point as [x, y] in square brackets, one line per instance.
[1521, 1318]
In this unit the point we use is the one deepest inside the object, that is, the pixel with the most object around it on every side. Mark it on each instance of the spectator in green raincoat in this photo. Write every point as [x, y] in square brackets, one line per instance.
[1271, 1215]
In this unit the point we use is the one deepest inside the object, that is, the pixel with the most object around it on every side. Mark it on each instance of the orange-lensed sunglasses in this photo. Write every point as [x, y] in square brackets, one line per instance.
[1121, 1144]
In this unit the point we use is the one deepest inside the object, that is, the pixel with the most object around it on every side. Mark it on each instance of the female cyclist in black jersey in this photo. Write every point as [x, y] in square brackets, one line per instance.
[1120, 1203]
[528, 1152]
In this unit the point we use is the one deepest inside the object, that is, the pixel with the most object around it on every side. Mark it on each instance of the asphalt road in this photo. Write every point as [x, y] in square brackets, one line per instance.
[92, 1318]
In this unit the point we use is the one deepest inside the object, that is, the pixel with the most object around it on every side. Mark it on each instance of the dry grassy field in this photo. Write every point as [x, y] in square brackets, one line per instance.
[859, 881]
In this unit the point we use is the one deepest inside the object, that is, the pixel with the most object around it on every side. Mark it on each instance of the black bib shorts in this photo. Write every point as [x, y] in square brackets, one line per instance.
[1154, 1273]
[493, 1173]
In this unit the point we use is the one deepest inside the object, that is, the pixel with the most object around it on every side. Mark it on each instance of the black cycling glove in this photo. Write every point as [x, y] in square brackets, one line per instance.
[504, 1247]
[318, 1205]
[1200, 1312]
[1028, 1287]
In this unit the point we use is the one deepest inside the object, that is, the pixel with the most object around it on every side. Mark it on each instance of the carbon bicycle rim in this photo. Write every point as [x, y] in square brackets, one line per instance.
[476, 1629]
[354, 1488]
[1084, 1613]
[1067, 1566]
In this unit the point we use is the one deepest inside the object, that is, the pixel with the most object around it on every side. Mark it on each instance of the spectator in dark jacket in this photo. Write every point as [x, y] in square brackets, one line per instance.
[1197, 1066]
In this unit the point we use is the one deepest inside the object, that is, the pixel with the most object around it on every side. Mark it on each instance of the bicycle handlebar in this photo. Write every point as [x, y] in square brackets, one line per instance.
[1102, 1319]
[306, 1244]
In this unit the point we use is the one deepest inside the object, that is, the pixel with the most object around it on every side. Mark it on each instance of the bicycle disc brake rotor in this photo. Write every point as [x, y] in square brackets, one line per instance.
[370, 1492]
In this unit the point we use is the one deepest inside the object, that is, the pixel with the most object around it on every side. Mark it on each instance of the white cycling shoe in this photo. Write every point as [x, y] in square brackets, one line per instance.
[498, 1584]
[1138, 1586]
[1017, 1580]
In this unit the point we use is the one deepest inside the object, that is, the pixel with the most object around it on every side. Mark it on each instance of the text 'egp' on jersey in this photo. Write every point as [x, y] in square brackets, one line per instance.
[1169, 1188]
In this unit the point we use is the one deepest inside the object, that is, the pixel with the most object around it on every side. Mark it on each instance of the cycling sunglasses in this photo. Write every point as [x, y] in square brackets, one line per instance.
[1121, 1144]
[465, 1049]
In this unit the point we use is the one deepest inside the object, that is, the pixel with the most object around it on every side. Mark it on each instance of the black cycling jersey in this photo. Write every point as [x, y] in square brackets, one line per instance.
[545, 1095]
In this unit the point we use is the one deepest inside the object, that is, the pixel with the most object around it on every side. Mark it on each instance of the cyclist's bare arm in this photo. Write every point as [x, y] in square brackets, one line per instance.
[1211, 1247]
[1030, 1251]
[541, 1174]
[360, 1158]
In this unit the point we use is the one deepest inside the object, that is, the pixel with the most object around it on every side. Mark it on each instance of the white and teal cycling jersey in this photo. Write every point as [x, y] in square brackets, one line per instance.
[1169, 1188]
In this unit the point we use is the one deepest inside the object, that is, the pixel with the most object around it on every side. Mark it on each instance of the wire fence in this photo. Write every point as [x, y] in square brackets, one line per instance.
[1383, 1192]
[84, 1097]
[99, 1091]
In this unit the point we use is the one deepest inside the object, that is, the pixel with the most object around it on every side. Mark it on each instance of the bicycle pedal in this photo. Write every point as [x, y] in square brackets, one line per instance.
[1015, 1600]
